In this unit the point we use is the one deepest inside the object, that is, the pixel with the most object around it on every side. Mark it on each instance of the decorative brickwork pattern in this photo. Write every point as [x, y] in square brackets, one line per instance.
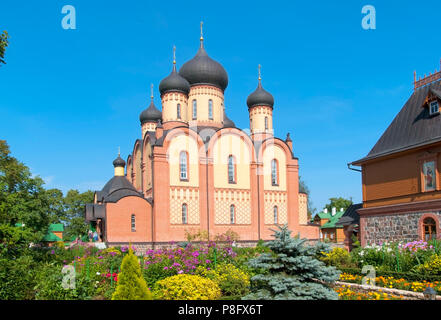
[224, 198]
[398, 227]
[303, 208]
[273, 199]
[179, 196]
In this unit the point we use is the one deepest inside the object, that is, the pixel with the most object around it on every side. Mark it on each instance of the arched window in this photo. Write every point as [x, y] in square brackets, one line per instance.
[195, 110]
[184, 213]
[133, 223]
[274, 172]
[183, 165]
[232, 214]
[429, 229]
[266, 123]
[231, 169]
[178, 111]
[276, 215]
[210, 109]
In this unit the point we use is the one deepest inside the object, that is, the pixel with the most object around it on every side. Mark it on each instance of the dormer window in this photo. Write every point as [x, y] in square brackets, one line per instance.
[434, 107]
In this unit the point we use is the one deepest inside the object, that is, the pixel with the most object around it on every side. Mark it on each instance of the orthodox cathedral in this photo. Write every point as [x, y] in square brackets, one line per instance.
[193, 170]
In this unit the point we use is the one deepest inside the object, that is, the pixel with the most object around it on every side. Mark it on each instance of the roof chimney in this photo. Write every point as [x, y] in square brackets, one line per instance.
[325, 210]
[334, 211]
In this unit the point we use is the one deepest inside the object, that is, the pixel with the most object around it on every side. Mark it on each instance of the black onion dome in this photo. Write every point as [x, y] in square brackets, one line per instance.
[174, 82]
[151, 114]
[228, 123]
[119, 162]
[260, 97]
[204, 70]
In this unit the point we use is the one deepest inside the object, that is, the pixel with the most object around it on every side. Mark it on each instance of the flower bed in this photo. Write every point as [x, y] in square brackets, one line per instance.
[348, 293]
[400, 257]
[390, 282]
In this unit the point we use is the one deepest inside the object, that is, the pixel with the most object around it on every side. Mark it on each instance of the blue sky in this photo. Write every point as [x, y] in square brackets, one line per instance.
[69, 98]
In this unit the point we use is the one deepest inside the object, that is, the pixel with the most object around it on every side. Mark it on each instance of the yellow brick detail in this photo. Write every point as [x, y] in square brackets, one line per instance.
[240, 199]
[278, 199]
[179, 196]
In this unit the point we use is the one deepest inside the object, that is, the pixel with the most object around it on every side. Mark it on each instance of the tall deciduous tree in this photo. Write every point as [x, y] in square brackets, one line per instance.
[3, 44]
[304, 188]
[338, 203]
[24, 203]
[73, 215]
[27, 208]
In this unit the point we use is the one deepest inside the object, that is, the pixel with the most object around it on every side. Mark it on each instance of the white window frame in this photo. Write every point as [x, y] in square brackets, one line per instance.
[274, 173]
[184, 213]
[210, 109]
[431, 105]
[195, 109]
[183, 165]
[232, 214]
[231, 169]
[133, 222]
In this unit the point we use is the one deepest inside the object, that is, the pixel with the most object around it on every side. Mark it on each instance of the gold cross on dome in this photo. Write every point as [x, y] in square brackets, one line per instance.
[174, 54]
[151, 91]
[202, 36]
[259, 67]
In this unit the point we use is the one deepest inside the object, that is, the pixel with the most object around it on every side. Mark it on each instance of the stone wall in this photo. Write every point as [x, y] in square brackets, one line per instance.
[392, 227]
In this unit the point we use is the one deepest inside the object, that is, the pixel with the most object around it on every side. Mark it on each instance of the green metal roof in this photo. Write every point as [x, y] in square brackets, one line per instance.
[323, 215]
[50, 237]
[56, 227]
[333, 220]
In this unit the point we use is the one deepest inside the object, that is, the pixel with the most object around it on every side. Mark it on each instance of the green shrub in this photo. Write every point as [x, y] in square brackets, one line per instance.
[432, 266]
[337, 257]
[231, 280]
[186, 287]
[50, 285]
[131, 284]
[158, 271]
[17, 278]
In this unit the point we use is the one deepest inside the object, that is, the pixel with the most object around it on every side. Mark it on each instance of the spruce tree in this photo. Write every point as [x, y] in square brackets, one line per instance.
[131, 285]
[292, 271]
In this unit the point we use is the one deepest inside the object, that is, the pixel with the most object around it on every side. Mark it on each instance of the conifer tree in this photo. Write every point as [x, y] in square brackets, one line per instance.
[131, 285]
[292, 271]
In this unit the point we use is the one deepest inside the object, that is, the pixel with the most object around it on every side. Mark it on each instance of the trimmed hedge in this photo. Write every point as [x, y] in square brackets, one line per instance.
[410, 276]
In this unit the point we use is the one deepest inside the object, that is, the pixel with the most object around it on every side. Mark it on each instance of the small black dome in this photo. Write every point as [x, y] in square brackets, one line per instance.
[151, 114]
[204, 70]
[260, 97]
[174, 82]
[119, 162]
[228, 123]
